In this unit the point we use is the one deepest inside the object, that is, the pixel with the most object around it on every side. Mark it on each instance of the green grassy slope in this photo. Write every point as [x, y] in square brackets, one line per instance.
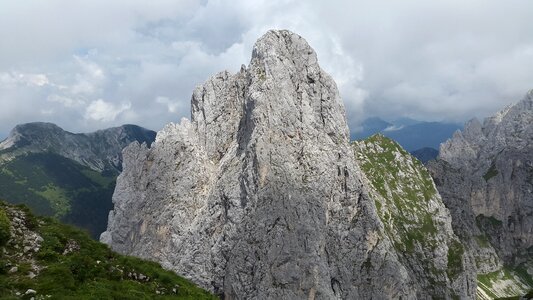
[405, 187]
[408, 204]
[403, 192]
[52, 185]
[65, 263]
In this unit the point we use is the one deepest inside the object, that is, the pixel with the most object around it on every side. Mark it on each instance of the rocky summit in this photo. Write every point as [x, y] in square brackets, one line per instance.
[260, 195]
[485, 176]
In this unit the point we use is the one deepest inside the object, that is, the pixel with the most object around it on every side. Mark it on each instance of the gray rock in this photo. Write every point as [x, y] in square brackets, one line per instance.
[71, 246]
[415, 219]
[485, 177]
[259, 196]
[100, 150]
[499, 175]
[30, 292]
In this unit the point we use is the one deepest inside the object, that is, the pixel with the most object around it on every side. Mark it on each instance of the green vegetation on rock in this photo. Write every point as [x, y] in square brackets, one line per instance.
[503, 283]
[483, 221]
[482, 241]
[405, 187]
[409, 207]
[4, 228]
[455, 259]
[491, 172]
[65, 263]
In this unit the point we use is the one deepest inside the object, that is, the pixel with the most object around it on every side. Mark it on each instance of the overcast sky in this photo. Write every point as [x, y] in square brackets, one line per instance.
[87, 65]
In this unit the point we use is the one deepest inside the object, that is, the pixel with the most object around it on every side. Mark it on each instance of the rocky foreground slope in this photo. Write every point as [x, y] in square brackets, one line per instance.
[485, 176]
[260, 195]
[43, 259]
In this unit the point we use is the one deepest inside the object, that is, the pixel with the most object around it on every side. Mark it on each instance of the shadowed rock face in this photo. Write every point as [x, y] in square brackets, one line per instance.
[259, 196]
[485, 176]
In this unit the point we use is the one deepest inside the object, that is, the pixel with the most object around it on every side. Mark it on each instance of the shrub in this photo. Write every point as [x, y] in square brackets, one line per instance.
[4, 227]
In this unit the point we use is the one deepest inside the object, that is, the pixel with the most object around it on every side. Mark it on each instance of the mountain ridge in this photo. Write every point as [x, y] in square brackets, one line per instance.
[65, 175]
[485, 176]
[99, 150]
[411, 134]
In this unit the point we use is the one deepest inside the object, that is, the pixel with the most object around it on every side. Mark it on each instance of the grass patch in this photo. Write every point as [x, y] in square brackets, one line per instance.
[4, 228]
[405, 186]
[93, 271]
[58, 198]
[483, 221]
[518, 276]
[492, 172]
[455, 259]
[403, 192]
[482, 241]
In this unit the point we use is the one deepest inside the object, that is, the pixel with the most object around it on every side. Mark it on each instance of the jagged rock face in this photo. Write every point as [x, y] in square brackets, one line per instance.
[496, 162]
[100, 150]
[485, 176]
[415, 219]
[260, 195]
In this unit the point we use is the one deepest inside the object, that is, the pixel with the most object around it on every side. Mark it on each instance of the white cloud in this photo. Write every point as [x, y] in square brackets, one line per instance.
[172, 106]
[47, 111]
[36, 79]
[445, 60]
[65, 101]
[28, 79]
[102, 111]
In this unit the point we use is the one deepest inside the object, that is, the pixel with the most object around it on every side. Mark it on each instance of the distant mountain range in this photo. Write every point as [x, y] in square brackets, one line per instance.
[425, 154]
[412, 135]
[100, 150]
[65, 175]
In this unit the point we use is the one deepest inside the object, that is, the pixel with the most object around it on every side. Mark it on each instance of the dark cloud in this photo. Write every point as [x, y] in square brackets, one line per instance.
[98, 63]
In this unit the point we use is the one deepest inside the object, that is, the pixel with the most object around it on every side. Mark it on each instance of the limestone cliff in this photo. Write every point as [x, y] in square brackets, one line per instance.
[260, 195]
[485, 176]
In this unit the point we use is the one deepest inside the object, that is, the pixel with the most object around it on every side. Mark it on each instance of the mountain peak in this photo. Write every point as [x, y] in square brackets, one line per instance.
[36, 125]
[284, 44]
[508, 128]
[260, 191]
[23, 134]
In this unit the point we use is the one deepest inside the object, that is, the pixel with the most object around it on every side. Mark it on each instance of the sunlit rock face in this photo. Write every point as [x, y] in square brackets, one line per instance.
[259, 195]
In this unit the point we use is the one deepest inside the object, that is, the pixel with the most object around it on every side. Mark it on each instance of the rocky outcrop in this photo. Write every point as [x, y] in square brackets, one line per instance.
[41, 258]
[260, 196]
[485, 176]
[415, 218]
[100, 150]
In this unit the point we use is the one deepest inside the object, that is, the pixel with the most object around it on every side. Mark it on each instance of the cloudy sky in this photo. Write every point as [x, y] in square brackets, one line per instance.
[87, 65]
